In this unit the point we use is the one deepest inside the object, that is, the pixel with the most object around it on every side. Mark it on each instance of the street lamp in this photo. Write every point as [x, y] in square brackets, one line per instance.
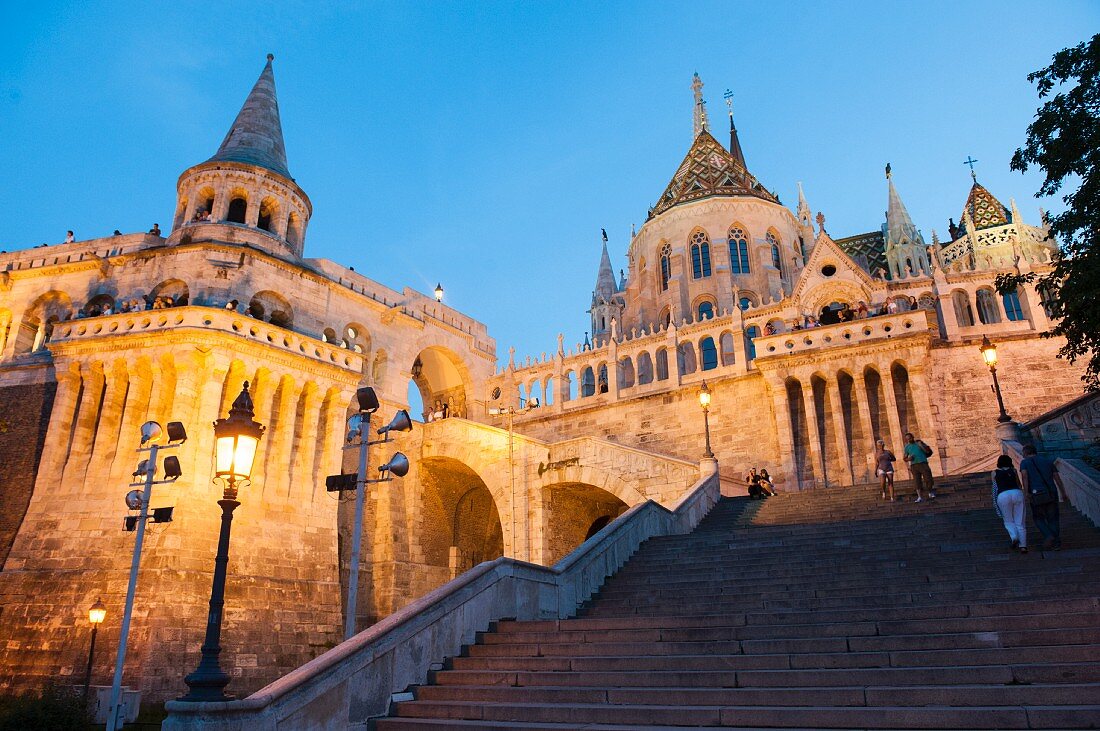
[439, 293]
[989, 355]
[235, 440]
[358, 437]
[96, 614]
[704, 401]
[151, 436]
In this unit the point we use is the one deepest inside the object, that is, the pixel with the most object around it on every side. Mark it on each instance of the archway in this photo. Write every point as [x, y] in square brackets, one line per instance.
[440, 378]
[459, 522]
[572, 510]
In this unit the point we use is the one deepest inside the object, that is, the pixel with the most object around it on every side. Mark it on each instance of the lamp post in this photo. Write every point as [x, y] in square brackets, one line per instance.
[235, 440]
[439, 293]
[96, 614]
[989, 355]
[510, 412]
[704, 401]
[151, 434]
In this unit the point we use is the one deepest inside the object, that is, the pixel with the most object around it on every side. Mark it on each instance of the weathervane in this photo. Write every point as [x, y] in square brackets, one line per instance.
[728, 96]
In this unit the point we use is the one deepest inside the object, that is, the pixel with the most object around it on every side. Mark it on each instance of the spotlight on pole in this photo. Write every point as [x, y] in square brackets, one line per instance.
[398, 466]
[151, 433]
[367, 399]
[172, 469]
[400, 422]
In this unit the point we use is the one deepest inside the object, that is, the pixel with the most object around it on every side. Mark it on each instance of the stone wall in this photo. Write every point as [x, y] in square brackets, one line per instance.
[22, 435]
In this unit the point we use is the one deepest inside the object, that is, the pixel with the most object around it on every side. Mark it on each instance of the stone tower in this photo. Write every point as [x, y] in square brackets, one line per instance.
[906, 252]
[607, 302]
[247, 185]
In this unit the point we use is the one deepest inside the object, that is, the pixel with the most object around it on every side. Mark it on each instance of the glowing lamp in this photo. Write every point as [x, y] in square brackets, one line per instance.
[989, 352]
[439, 293]
[704, 396]
[236, 438]
[97, 612]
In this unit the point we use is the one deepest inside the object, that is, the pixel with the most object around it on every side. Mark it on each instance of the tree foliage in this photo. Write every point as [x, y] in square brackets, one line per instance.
[1064, 141]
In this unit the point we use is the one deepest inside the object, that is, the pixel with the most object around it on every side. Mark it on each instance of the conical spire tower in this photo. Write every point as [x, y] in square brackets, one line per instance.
[906, 252]
[256, 135]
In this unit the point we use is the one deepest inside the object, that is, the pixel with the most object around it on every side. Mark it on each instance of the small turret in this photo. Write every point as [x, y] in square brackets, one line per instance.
[607, 302]
[906, 253]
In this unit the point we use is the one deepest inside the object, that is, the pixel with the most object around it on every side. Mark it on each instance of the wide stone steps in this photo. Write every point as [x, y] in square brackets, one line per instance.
[821, 610]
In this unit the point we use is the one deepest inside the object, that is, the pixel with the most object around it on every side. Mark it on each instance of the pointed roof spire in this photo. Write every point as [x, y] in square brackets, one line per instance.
[899, 226]
[803, 210]
[256, 136]
[700, 109]
[735, 143]
[605, 280]
[709, 169]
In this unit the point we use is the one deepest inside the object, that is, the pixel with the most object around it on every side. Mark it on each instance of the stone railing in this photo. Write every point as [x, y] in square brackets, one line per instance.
[848, 333]
[355, 680]
[78, 251]
[207, 319]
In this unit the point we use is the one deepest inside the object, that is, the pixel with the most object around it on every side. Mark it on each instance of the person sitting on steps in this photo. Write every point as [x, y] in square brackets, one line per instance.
[756, 489]
[766, 482]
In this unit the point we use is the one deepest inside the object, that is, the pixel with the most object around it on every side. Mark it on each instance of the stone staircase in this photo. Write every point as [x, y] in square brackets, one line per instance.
[825, 609]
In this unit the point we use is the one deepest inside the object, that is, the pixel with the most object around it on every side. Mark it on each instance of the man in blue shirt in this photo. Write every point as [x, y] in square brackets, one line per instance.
[916, 457]
[1039, 477]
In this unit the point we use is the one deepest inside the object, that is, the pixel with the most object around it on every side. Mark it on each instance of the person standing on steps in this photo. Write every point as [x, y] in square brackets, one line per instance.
[1039, 478]
[884, 468]
[1008, 501]
[916, 456]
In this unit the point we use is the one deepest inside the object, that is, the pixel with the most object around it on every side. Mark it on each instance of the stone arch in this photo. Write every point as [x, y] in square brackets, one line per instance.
[268, 214]
[442, 378]
[726, 348]
[876, 404]
[548, 391]
[800, 433]
[237, 211]
[708, 353]
[588, 382]
[460, 523]
[989, 311]
[272, 307]
[747, 300]
[295, 230]
[705, 307]
[903, 395]
[964, 313]
[569, 386]
[835, 290]
[356, 338]
[660, 364]
[571, 509]
[101, 304]
[176, 289]
[204, 204]
[38, 319]
[685, 358]
[645, 368]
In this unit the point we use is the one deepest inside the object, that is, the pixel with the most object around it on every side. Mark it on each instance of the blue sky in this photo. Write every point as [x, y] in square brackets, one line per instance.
[484, 145]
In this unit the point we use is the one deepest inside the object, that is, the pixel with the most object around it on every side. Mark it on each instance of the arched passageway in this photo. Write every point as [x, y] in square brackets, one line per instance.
[459, 526]
[574, 512]
[440, 379]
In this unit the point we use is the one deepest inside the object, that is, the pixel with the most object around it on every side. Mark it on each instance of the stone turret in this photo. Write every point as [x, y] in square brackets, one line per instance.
[906, 253]
[246, 186]
[607, 302]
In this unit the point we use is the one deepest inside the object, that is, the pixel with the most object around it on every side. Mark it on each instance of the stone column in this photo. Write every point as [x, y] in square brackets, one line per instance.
[263, 399]
[891, 408]
[809, 410]
[918, 386]
[5, 328]
[859, 398]
[84, 429]
[134, 412]
[110, 419]
[56, 447]
[305, 443]
[329, 457]
[832, 392]
[1034, 304]
[281, 438]
[782, 412]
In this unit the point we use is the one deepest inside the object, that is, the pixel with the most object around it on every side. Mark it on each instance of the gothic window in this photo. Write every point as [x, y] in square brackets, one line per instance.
[777, 259]
[802, 247]
[964, 314]
[726, 343]
[745, 302]
[1049, 300]
[666, 266]
[268, 209]
[700, 255]
[1013, 310]
[751, 332]
[987, 307]
[705, 310]
[661, 365]
[739, 250]
[665, 318]
[588, 383]
[708, 353]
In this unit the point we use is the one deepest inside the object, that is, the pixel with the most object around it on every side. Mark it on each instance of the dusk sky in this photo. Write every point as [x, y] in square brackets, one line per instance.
[484, 145]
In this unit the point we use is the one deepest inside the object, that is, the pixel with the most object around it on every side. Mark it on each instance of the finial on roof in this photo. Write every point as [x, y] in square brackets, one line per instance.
[700, 109]
[271, 57]
[887, 170]
[970, 161]
[735, 143]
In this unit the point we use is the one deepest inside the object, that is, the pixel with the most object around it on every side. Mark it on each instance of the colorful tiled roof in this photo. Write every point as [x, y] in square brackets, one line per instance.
[868, 250]
[986, 210]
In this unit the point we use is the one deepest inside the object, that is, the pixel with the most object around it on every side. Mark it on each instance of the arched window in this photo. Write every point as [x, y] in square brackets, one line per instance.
[645, 368]
[588, 383]
[548, 391]
[987, 307]
[666, 266]
[685, 358]
[665, 318]
[964, 314]
[705, 310]
[708, 353]
[1049, 298]
[661, 366]
[700, 255]
[601, 379]
[745, 302]
[739, 250]
[802, 247]
[726, 343]
[1013, 310]
[777, 259]
[751, 333]
[268, 209]
[237, 209]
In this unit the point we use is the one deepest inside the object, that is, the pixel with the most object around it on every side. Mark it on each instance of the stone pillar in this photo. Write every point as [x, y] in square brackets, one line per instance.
[1034, 305]
[305, 443]
[84, 428]
[859, 398]
[134, 412]
[110, 419]
[832, 392]
[263, 400]
[281, 438]
[56, 447]
[926, 429]
[329, 457]
[891, 408]
[810, 412]
[5, 328]
[782, 412]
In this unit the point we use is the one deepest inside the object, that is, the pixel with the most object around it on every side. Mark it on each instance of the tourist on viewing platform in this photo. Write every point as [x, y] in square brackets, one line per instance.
[916, 456]
[1039, 477]
[884, 468]
[1008, 501]
[69, 238]
[862, 312]
[155, 230]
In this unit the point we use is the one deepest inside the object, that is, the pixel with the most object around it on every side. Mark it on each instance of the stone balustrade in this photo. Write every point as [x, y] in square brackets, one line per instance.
[78, 251]
[847, 333]
[355, 680]
[208, 319]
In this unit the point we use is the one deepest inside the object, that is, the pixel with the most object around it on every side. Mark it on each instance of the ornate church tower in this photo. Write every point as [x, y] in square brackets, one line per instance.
[607, 301]
[906, 252]
[806, 236]
[245, 193]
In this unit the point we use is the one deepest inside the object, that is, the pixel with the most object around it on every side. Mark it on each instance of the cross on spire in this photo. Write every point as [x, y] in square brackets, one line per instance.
[970, 161]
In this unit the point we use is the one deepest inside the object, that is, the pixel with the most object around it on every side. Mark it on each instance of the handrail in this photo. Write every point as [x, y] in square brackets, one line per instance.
[359, 675]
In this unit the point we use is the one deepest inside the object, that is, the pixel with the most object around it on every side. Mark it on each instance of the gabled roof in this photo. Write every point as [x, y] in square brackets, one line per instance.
[828, 251]
[708, 170]
[984, 208]
[867, 250]
[256, 136]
